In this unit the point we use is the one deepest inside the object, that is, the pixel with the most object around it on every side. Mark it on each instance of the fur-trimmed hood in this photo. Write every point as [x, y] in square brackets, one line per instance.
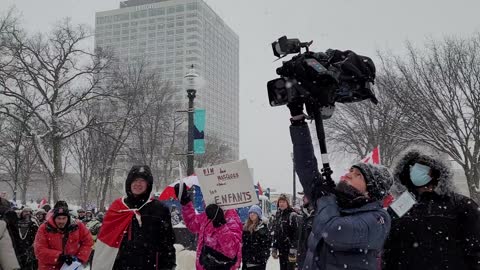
[441, 172]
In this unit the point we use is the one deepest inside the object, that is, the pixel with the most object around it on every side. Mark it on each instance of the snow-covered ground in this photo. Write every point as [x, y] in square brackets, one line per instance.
[186, 260]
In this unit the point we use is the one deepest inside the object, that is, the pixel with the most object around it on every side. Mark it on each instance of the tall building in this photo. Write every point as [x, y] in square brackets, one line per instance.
[173, 35]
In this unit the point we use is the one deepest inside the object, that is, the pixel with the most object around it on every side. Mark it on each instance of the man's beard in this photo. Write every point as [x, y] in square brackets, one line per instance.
[349, 197]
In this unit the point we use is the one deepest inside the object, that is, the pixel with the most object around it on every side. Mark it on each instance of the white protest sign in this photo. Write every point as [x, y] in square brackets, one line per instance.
[228, 185]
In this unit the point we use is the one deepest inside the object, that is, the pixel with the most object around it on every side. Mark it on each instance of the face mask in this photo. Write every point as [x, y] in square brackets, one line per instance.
[419, 175]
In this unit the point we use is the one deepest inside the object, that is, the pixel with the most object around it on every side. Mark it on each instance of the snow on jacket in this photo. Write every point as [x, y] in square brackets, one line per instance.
[256, 245]
[49, 241]
[285, 230]
[441, 231]
[226, 239]
[341, 238]
[8, 260]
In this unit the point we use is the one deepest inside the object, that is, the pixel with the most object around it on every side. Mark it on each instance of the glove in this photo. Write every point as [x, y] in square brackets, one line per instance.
[185, 194]
[68, 259]
[292, 255]
[296, 107]
[275, 253]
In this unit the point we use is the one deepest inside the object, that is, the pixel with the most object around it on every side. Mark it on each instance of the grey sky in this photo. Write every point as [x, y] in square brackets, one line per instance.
[360, 25]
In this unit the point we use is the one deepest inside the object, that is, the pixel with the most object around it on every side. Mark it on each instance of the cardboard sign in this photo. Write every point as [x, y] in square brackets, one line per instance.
[228, 185]
[403, 204]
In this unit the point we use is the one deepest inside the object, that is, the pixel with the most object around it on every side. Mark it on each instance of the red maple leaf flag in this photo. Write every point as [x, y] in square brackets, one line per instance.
[373, 157]
[260, 191]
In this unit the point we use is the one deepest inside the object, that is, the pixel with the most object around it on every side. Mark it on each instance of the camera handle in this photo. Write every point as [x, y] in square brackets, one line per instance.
[326, 170]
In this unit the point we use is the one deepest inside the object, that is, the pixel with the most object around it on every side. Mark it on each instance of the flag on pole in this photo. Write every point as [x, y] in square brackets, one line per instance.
[372, 158]
[198, 133]
[260, 190]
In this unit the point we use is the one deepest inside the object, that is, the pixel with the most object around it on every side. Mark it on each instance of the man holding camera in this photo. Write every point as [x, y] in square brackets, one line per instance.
[350, 226]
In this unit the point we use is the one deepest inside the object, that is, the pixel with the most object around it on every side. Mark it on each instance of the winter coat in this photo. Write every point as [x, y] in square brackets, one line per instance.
[149, 246]
[226, 239]
[305, 223]
[441, 231]
[256, 245]
[285, 230]
[48, 243]
[24, 238]
[8, 260]
[341, 238]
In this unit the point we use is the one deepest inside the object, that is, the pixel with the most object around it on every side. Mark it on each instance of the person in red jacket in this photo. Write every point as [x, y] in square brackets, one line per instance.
[62, 240]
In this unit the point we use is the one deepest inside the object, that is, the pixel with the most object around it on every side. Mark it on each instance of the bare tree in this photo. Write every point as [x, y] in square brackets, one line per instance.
[438, 88]
[18, 159]
[122, 114]
[50, 75]
[357, 128]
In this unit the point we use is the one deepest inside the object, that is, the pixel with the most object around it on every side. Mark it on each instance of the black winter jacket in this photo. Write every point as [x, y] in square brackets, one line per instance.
[285, 230]
[305, 223]
[441, 231]
[151, 245]
[256, 245]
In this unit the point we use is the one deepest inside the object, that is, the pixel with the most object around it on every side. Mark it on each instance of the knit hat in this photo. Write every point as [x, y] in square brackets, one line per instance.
[60, 211]
[378, 179]
[257, 210]
[40, 211]
[284, 197]
[215, 214]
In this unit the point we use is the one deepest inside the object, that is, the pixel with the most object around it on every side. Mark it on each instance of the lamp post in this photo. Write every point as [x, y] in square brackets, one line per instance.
[192, 82]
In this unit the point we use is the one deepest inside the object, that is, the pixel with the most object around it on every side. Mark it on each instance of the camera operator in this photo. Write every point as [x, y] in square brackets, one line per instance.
[350, 226]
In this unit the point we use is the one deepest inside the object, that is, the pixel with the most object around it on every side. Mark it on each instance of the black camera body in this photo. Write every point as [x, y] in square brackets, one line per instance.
[320, 78]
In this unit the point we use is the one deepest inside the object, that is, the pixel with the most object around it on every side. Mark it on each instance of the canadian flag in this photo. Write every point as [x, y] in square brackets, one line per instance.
[372, 158]
[42, 202]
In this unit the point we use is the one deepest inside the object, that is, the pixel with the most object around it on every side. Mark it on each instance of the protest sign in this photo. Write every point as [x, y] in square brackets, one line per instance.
[228, 185]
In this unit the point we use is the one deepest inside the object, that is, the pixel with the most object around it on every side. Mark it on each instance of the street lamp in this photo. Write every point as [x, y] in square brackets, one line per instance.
[192, 82]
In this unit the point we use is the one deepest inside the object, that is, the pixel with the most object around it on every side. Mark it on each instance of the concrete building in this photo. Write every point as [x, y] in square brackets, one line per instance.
[173, 35]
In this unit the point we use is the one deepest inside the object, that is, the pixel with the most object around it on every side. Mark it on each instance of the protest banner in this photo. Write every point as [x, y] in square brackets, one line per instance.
[228, 185]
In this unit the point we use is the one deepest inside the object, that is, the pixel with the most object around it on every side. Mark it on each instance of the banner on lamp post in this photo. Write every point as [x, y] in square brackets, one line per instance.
[199, 132]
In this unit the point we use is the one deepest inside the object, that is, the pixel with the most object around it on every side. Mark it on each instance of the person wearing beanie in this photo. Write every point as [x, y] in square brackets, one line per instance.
[40, 216]
[52, 251]
[442, 229]
[256, 241]
[350, 225]
[219, 244]
[305, 223]
[27, 229]
[136, 232]
[284, 246]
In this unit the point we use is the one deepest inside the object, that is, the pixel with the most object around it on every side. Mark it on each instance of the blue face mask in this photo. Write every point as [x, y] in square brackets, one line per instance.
[419, 175]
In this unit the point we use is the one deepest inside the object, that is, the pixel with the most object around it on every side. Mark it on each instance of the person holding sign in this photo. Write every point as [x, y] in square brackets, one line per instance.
[219, 245]
[441, 230]
[350, 226]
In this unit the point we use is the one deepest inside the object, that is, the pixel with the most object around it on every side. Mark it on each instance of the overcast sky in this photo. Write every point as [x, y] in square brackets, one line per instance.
[363, 26]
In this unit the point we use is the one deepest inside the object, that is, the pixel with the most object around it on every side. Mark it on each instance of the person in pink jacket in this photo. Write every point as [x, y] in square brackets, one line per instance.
[219, 234]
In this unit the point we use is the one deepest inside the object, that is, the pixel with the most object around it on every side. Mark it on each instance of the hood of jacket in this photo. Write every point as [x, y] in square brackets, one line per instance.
[143, 172]
[440, 172]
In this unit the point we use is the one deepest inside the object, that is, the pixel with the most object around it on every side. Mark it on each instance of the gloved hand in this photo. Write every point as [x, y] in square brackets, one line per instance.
[275, 253]
[292, 255]
[185, 199]
[296, 107]
[68, 259]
